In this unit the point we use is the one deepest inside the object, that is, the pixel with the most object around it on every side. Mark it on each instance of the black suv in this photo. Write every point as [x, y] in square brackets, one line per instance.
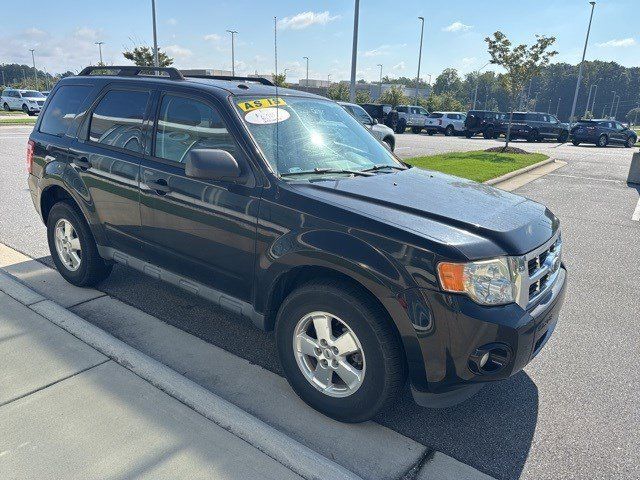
[542, 126]
[489, 124]
[279, 206]
[383, 113]
[602, 133]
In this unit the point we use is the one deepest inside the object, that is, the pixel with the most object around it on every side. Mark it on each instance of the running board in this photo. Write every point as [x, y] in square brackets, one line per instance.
[229, 303]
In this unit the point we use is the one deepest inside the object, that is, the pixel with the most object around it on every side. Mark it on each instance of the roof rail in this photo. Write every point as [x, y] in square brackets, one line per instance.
[132, 70]
[261, 80]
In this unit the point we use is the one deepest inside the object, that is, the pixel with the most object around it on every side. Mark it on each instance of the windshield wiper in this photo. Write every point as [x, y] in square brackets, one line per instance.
[375, 168]
[321, 171]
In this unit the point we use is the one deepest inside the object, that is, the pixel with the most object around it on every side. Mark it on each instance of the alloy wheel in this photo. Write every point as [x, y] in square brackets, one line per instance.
[67, 244]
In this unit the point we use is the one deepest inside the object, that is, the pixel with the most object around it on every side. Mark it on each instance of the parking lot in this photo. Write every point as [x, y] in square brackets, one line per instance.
[568, 415]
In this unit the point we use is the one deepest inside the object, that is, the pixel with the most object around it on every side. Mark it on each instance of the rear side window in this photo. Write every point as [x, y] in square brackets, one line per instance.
[185, 124]
[63, 108]
[402, 109]
[117, 120]
[436, 115]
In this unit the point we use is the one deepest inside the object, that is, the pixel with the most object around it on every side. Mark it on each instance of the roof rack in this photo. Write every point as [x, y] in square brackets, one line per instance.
[132, 70]
[261, 80]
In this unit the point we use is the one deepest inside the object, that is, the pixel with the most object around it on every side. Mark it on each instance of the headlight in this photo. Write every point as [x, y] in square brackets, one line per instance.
[31, 101]
[487, 282]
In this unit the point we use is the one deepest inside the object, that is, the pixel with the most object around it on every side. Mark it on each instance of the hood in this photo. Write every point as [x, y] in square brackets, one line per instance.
[378, 127]
[477, 219]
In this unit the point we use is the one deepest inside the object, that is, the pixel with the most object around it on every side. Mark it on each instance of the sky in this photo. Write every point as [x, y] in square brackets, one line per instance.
[63, 33]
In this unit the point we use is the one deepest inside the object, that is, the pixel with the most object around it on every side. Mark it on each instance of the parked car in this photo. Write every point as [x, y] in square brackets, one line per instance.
[46, 93]
[279, 206]
[412, 116]
[29, 101]
[448, 123]
[489, 124]
[602, 133]
[383, 113]
[543, 126]
[381, 132]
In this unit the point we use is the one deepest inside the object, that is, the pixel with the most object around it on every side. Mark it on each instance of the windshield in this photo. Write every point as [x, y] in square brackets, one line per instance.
[298, 134]
[32, 94]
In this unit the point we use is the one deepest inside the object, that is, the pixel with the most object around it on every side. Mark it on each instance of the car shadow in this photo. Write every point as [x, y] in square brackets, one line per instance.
[491, 431]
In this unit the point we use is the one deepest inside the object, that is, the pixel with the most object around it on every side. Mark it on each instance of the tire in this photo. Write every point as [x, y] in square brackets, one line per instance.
[603, 141]
[92, 269]
[563, 137]
[416, 129]
[533, 136]
[402, 126]
[25, 109]
[389, 142]
[488, 133]
[468, 134]
[630, 142]
[6, 107]
[382, 363]
[430, 133]
[448, 131]
[575, 142]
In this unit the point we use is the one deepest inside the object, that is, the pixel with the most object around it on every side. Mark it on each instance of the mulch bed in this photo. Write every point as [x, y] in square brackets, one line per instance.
[507, 150]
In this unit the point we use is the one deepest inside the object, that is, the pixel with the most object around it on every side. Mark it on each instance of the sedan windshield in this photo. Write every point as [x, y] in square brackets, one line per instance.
[32, 94]
[308, 136]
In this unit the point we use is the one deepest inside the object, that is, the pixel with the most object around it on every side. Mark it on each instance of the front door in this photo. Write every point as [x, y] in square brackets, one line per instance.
[201, 229]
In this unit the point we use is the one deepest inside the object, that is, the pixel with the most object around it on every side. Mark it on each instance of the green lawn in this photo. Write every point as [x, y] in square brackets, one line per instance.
[10, 112]
[478, 165]
[17, 121]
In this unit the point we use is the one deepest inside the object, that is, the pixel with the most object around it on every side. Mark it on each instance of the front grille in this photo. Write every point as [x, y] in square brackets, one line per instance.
[538, 271]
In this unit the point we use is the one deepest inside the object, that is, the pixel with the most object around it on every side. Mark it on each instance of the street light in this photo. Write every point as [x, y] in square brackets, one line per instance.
[419, 56]
[612, 102]
[233, 52]
[584, 52]
[615, 113]
[558, 107]
[100, 48]
[354, 52]
[586, 109]
[380, 93]
[156, 60]
[549, 108]
[329, 78]
[307, 80]
[475, 94]
[35, 72]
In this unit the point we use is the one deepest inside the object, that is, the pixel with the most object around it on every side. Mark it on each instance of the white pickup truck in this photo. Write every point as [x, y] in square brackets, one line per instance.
[448, 123]
[412, 116]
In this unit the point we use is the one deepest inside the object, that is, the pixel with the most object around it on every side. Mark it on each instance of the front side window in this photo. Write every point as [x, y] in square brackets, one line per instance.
[361, 115]
[32, 94]
[299, 134]
[118, 118]
[619, 126]
[63, 109]
[184, 124]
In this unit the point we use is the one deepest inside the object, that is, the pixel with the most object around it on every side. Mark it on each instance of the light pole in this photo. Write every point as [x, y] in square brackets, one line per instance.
[354, 52]
[615, 113]
[475, 94]
[604, 109]
[612, 102]
[419, 55]
[380, 84]
[100, 48]
[307, 80]
[233, 52]
[549, 108]
[35, 72]
[329, 79]
[156, 59]
[584, 52]
[586, 109]
[558, 106]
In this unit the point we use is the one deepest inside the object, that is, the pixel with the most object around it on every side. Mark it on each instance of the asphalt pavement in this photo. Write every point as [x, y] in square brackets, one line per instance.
[574, 412]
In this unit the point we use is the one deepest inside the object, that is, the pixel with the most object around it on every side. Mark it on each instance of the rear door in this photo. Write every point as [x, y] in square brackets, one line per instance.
[201, 229]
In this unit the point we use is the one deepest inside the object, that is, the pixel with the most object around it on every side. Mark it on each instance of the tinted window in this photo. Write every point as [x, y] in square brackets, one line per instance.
[361, 115]
[402, 109]
[436, 115]
[520, 117]
[185, 124]
[619, 126]
[117, 120]
[63, 108]
[32, 94]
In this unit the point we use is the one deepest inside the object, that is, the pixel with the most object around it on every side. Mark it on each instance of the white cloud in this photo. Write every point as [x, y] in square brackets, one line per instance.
[306, 19]
[212, 37]
[623, 42]
[178, 52]
[34, 33]
[86, 33]
[457, 27]
[172, 22]
[399, 66]
[383, 50]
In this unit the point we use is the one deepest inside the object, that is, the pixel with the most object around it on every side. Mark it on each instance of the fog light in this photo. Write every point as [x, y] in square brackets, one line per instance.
[484, 359]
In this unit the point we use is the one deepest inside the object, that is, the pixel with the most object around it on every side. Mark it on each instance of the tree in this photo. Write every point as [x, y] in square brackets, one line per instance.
[280, 79]
[339, 92]
[448, 81]
[444, 102]
[394, 96]
[521, 63]
[143, 57]
[633, 115]
[363, 96]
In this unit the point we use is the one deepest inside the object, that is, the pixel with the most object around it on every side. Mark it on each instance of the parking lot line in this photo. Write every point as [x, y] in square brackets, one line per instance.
[636, 212]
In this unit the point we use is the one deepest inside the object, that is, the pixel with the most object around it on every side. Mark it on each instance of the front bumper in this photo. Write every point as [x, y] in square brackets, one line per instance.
[455, 332]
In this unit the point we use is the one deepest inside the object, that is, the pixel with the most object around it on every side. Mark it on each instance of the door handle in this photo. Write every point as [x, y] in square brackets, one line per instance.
[82, 163]
[159, 186]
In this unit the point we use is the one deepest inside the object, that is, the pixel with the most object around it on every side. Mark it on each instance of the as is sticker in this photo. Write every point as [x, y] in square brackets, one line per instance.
[249, 105]
[267, 116]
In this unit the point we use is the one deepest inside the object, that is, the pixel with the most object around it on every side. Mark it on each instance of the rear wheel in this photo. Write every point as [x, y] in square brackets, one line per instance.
[416, 129]
[73, 247]
[603, 140]
[448, 131]
[630, 142]
[533, 136]
[563, 137]
[430, 132]
[6, 106]
[388, 141]
[468, 134]
[339, 351]
[575, 142]
[25, 109]
[402, 126]
[488, 133]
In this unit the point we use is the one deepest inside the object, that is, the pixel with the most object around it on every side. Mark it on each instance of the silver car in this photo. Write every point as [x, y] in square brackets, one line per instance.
[381, 132]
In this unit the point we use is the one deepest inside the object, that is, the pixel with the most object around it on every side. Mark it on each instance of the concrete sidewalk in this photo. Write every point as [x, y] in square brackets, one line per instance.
[68, 411]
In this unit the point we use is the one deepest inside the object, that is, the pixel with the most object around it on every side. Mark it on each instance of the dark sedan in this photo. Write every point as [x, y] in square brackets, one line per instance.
[602, 133]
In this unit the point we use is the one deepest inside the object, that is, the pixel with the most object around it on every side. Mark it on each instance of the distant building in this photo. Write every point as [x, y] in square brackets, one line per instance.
[313, 83]
[268, 76]
[206, 71]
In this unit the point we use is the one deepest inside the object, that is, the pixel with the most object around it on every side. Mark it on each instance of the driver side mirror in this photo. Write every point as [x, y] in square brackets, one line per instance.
[375, 121]
[211, 164]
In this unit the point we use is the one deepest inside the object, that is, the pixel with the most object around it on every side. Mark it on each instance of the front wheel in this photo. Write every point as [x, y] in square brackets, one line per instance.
[73, 247]
[416, 129]
[389, 143]
[488, 133]
[339, 351]
[630, 142]
[563, 137]
[603, 140]
[402, 126]
[448, 131]
[468, 134]
[575, 142]
[25, 109]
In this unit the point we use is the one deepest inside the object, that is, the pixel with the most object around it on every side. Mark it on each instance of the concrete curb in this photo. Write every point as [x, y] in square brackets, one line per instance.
[515, 173]
[290, 453]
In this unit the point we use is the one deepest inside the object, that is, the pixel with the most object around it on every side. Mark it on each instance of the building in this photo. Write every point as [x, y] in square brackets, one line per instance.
[206, 71]
[268, 76]
[313, 83]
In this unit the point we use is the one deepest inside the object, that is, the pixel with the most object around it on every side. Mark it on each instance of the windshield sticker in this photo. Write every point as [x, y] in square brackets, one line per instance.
[250, 105]
[267, 116]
